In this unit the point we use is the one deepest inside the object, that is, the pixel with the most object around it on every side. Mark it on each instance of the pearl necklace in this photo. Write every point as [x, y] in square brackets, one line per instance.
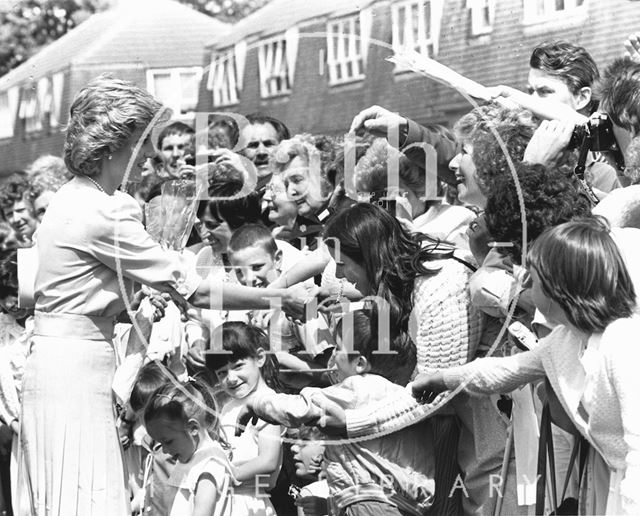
[96, 183]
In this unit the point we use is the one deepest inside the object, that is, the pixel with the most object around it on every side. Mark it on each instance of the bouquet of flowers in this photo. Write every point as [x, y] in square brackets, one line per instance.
[170, 216]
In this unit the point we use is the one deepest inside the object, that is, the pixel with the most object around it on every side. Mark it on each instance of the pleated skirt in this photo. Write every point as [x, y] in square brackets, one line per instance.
[70, 458]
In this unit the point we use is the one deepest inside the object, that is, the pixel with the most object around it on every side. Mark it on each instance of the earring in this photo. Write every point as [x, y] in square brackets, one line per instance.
[110, 157]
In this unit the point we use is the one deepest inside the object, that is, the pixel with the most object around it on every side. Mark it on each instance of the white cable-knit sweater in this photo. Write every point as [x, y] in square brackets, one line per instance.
[446, 329]
[595, 377]
[445, 326]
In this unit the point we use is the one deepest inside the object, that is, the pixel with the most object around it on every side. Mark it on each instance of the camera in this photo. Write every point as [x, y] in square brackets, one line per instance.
[596, 135]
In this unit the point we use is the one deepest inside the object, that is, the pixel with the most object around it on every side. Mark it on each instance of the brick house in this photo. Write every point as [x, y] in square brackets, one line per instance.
[314, 64]
[157, 44]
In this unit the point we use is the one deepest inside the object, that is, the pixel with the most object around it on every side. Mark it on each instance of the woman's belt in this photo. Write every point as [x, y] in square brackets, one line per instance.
[73, 326]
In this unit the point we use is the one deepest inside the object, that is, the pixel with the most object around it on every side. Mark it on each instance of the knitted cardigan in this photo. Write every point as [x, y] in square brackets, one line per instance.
[446, 329]
[595, 378]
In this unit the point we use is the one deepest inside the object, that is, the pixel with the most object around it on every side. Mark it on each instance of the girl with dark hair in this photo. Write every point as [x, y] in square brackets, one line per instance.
[426, 290]
[245, 366]
[581, 283]
[424, 285]
[183, 418]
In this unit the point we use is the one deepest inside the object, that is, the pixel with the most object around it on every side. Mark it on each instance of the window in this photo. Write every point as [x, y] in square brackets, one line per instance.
[344, 51]
[543, 10]
[176, 88]
[482, 15]
[416, 26]
[226, 75]
[29, 111]
[273, 64]
[223, 80]
[8, 109]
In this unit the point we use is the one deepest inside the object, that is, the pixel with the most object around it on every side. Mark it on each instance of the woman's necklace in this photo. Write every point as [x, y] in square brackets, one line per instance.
[96, 183]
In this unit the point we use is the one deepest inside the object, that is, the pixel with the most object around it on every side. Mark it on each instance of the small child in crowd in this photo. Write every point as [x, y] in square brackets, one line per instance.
[257, 261]
[183, 419]
[245, 367]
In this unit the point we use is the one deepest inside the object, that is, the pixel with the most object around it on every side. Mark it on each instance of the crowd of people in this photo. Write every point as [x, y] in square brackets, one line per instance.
[335, 325]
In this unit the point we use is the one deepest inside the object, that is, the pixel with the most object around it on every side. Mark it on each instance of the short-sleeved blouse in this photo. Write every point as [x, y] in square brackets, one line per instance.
[86, 236]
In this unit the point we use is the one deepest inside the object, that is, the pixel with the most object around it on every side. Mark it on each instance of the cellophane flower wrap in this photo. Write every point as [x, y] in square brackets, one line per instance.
[170, 217]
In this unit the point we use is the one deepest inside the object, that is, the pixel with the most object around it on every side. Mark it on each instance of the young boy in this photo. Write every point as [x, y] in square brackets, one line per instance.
[392, 474]
[257, 260]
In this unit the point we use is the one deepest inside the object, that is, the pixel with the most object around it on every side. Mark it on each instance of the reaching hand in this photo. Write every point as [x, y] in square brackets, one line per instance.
[245, 415]
[231, 159]
[295, 299]
[124, 433]
[632, 47]
[187, 172]
[333, 420]
[159, 302]
[195, 356]
[426, 387]
[378, 121]
[549, 140]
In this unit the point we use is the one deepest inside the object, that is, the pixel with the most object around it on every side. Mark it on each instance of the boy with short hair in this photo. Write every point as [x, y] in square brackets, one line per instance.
[257, 260]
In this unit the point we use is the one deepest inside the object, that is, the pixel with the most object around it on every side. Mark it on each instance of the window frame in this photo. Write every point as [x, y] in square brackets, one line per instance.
[178, 100]
[9, 112]
[29, 110]
[344, 48]
[571, 9]
[271, 62]
[476, 8]
[225, 90]
[424, 46]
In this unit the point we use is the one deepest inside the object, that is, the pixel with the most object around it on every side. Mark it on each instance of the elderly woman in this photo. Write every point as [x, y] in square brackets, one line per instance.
[305, 166]
[92, 247]
[430, 217]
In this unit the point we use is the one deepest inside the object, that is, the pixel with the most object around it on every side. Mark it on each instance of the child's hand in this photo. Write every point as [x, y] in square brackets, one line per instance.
[261, 318]
[195, 355]
[245, 415]
[313, 505]
[124, 433]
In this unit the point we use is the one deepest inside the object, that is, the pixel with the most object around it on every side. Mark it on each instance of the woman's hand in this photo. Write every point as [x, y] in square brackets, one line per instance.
[230, 159]
[426, 387]
[479, 239]
[378, 121]
[153, 307]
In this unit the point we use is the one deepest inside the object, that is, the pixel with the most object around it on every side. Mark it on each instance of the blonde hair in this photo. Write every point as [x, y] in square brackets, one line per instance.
[103, 117]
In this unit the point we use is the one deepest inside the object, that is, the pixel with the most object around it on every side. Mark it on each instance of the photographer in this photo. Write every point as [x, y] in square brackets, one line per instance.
[566, 73]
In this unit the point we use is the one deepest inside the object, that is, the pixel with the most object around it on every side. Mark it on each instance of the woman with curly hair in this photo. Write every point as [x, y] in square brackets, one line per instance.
[474, 168]
[549, 199]
[92, 248]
